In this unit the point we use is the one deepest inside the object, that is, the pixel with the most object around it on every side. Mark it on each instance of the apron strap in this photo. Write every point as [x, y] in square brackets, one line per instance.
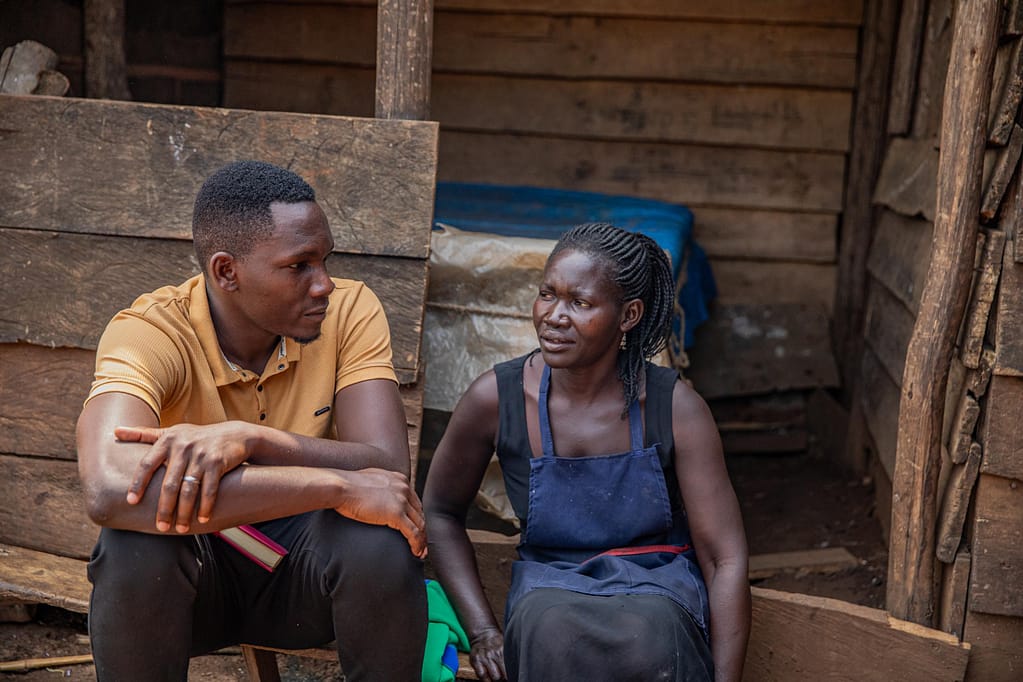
[547, 441]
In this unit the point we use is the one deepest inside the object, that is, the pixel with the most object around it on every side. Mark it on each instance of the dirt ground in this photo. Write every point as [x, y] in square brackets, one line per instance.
[789, 502]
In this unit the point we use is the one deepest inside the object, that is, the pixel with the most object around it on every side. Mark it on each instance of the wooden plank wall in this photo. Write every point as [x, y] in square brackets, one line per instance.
[95, 209]
[980, 528]
[172, 49]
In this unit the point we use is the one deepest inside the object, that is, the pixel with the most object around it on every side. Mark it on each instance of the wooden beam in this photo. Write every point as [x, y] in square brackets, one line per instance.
[800, 637]
[904, 71]
[985, 285]
[1003, 448]
[997, 571]
[42, 578]
[404, 58]
[1004, 170]
[955, 590]
[106, 75]
[877, 42]
[823, 560]
[930, 86]
[955, 503]
[1006, 91]
[1009, 318]
[918, 458]
[960, 445]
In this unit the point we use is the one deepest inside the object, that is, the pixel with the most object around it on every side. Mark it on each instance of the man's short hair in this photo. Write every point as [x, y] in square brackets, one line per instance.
[232, 208]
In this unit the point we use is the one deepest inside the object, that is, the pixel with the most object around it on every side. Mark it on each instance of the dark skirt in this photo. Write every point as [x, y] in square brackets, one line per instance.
[558, 635]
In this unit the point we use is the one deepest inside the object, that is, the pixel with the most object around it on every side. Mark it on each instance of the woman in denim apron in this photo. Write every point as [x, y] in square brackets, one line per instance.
[633, 560]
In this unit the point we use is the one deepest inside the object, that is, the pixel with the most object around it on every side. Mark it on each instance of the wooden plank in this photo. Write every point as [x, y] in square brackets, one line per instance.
[877, 45]
[694, 175]
[880, 403]
[823, 560]
[955, 503]
[985, 284]
[1005, 168]
[930, 86]
[1006, 91]
[904, 70]
[42, 578]
[403, 58]
[960, 446]
[375, 179]
[907, 183]
[105, 73]
[785, 118]
[559, 46]
[900, 255]
[995, 653]
[100, 275]
[997, 547]
[845, 13]
[1003, 448]
[767, 282]
[911, 578]
[1013, 23]
[769, 348]
[1011, 219]
[43, 507]
[42, 391]
[1008, 340]
[726, 233]
[887, 329]
[955, 589]
[800, 637]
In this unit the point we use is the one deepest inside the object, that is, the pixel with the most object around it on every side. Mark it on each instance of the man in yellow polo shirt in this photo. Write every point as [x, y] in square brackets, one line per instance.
[257, 393]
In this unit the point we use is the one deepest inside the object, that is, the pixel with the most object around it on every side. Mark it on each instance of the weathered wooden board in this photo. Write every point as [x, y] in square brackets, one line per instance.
[800, 637]
[1005, 167]
[997, 572]
[845, 13]
[100, 275]
[880, 402]
[1006, 91]
[954, 504]
[79, 165]
[767, 235]
[767, 282]
[822, 560]
[900, 254]
[42, 390]
[982, 294]
[693, 175]
[768, 347]
[964, 421]
[887, 329]
[1009, 321]
[1000, 429]
[908, 180]
[955, 588]
[41, 578]
[785, 118]
[904, 69]
[43, 507]
[1011, 218]
[930, 86]
[566, 46]
[995, 653]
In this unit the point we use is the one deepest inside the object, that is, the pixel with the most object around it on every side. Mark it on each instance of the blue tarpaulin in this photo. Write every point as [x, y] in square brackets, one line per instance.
[547, 213]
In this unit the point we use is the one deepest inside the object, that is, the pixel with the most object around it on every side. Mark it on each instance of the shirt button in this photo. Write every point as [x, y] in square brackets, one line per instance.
[262, 417]
[260, 388]
[280, 366]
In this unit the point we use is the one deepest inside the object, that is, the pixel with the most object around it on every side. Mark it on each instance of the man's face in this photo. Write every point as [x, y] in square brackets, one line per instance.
[283, 284]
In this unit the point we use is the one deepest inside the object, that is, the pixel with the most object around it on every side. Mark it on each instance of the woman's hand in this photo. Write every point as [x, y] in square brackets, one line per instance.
[487, 656]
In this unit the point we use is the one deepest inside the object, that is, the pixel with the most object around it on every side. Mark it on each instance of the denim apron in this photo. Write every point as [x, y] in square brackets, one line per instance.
[603, 525]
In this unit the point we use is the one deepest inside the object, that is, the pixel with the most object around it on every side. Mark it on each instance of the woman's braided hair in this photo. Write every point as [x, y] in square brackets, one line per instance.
[641, 269]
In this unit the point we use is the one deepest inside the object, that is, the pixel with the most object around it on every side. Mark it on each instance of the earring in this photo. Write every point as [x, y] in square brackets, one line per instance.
[623, 345]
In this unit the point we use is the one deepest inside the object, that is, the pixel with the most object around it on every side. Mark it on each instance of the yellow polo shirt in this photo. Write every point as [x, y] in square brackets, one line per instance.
[164, 350]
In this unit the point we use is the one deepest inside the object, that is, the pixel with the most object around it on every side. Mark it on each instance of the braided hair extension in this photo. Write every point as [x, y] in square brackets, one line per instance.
[642, 270]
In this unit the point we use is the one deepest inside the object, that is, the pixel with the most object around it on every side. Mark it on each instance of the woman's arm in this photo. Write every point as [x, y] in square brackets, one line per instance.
[456, 470]
[715, 522]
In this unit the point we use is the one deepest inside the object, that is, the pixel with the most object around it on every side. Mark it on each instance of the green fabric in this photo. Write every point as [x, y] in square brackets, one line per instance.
[442, 630]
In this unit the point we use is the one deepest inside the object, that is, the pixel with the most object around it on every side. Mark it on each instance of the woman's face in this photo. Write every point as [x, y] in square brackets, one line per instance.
[578, 311]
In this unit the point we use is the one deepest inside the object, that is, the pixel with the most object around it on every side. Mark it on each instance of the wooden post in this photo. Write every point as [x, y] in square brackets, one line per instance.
[868, 144]
[911, 576]
[904, 78]
[404, 58]
[106, 70]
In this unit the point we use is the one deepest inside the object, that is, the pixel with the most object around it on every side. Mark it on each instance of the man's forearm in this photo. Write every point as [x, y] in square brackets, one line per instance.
[280, 448]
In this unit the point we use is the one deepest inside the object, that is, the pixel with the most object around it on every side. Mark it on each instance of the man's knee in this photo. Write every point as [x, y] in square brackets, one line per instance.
[374, 557]
[131, 563]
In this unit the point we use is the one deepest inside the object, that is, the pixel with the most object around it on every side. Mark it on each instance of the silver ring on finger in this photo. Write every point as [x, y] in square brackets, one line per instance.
[190, 479]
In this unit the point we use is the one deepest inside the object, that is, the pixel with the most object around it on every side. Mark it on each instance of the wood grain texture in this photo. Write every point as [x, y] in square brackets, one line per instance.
[693, 175]
[1009, 320]
[1005, 167]
[105, 59]
[934, 56]
[100, 275]
[907, 181]
[954, 593]
[982, 295]
[726, 233]
[403, 59]
[768, 282]
[904, 69]
[880, 404]
[911, 577]
[42, 578]
[995, 653]
[1003, 448]
[559, 46]
[899, 256]
[79, 165]
[998, 547]
[44, 508]
[1006, 91]
[955, 503]
[843, 13]
[799, 637]
[785, 118]
[887, 329]
[960, 444]
[769, 347]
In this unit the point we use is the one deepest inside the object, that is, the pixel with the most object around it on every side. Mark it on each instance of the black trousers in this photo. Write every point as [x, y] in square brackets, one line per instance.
[157, 600]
